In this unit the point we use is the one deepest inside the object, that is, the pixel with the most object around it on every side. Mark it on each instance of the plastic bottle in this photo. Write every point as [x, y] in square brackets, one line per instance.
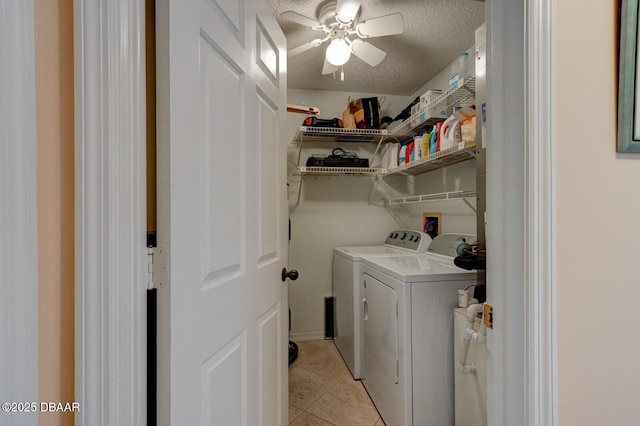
[424, 144]
[433, 142]
[459, 69]
[418, 147]
[450, 133]
[403, 154]
[438, 127]
[410, 156]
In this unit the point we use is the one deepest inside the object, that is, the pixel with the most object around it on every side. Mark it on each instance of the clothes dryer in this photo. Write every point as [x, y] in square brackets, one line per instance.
[408, 332]
[347, 289]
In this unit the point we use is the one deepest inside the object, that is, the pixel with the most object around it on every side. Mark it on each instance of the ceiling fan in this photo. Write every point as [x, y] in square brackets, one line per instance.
[338, 19]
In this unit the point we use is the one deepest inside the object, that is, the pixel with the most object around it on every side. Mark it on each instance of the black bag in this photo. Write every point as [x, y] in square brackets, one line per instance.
[338, 158]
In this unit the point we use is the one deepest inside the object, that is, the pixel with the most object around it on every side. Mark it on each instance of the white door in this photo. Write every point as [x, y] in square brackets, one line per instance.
[222, 214]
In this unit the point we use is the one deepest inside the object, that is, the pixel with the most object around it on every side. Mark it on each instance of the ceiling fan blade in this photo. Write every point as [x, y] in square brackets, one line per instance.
[301, 19]
[327, 68]
[367, 52]
[382, 26]
[304, 47]
[346, 10]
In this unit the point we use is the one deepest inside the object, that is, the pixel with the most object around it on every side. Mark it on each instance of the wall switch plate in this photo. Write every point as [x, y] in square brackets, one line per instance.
[488, 316]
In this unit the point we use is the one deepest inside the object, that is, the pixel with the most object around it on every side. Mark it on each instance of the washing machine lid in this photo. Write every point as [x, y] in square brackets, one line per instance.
[398, 242]
[418, 268]
[356, 253]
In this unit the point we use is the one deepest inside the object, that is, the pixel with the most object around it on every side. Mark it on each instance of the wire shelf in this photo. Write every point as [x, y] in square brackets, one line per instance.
[334, 171]
[331, 134]
[461, 152]
[413, 199]
[463, 93]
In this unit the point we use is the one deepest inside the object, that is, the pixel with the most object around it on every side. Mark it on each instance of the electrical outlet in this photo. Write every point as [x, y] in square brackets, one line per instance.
[488, 316]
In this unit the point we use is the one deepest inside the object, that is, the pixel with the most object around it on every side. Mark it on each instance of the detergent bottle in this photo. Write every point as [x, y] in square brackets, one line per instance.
[424, 143]
[433, 142]
[417, 142]
[410, 153]
[450, 133]
[438, 128]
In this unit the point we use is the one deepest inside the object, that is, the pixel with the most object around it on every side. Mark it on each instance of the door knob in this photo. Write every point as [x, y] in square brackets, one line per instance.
[292, 274]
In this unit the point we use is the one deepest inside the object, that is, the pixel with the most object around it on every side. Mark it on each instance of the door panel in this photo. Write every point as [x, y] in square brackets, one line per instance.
[267, 54]
[222, 174]
[222, 213]
[231, 12]
[222, 375]
[270, 365]
[268, 210]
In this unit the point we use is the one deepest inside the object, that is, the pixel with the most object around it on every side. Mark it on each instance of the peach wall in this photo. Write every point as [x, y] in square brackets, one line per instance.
[598, 226]
[54, 117]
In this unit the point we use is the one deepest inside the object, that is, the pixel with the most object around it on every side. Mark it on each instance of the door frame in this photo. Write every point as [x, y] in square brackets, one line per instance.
[521, 232]
[540, 274]
[110, 272]
[110, 212]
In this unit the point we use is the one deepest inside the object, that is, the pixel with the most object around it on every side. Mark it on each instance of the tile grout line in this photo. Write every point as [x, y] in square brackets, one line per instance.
[305, 410]
[336, 380]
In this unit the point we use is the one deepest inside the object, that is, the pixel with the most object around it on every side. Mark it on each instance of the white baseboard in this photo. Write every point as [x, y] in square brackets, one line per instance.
[311, 335]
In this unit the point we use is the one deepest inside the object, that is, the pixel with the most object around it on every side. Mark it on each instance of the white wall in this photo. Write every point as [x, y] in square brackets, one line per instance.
[457, 216]
[598, 201]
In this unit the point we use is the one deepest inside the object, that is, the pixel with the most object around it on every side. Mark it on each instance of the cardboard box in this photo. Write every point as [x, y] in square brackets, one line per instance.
[429, 96]
[414, 114]
[468, 129]
[417, 115]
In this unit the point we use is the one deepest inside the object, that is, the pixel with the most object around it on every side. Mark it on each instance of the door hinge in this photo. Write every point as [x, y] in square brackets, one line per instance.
[150, 268]
[156, 267]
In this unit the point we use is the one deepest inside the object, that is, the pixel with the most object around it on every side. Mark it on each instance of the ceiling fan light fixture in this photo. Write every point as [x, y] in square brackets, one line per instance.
[347, 10]
[338, 52]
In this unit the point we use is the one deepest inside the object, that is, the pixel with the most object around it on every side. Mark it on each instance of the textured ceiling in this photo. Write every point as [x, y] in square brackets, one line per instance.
[435, 33]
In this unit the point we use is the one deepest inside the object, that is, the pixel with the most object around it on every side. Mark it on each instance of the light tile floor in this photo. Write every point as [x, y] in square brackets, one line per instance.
[322, 391]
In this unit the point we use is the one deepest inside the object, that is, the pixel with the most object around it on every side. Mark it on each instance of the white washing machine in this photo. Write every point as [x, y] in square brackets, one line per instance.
[408, 332]
[347, 289]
